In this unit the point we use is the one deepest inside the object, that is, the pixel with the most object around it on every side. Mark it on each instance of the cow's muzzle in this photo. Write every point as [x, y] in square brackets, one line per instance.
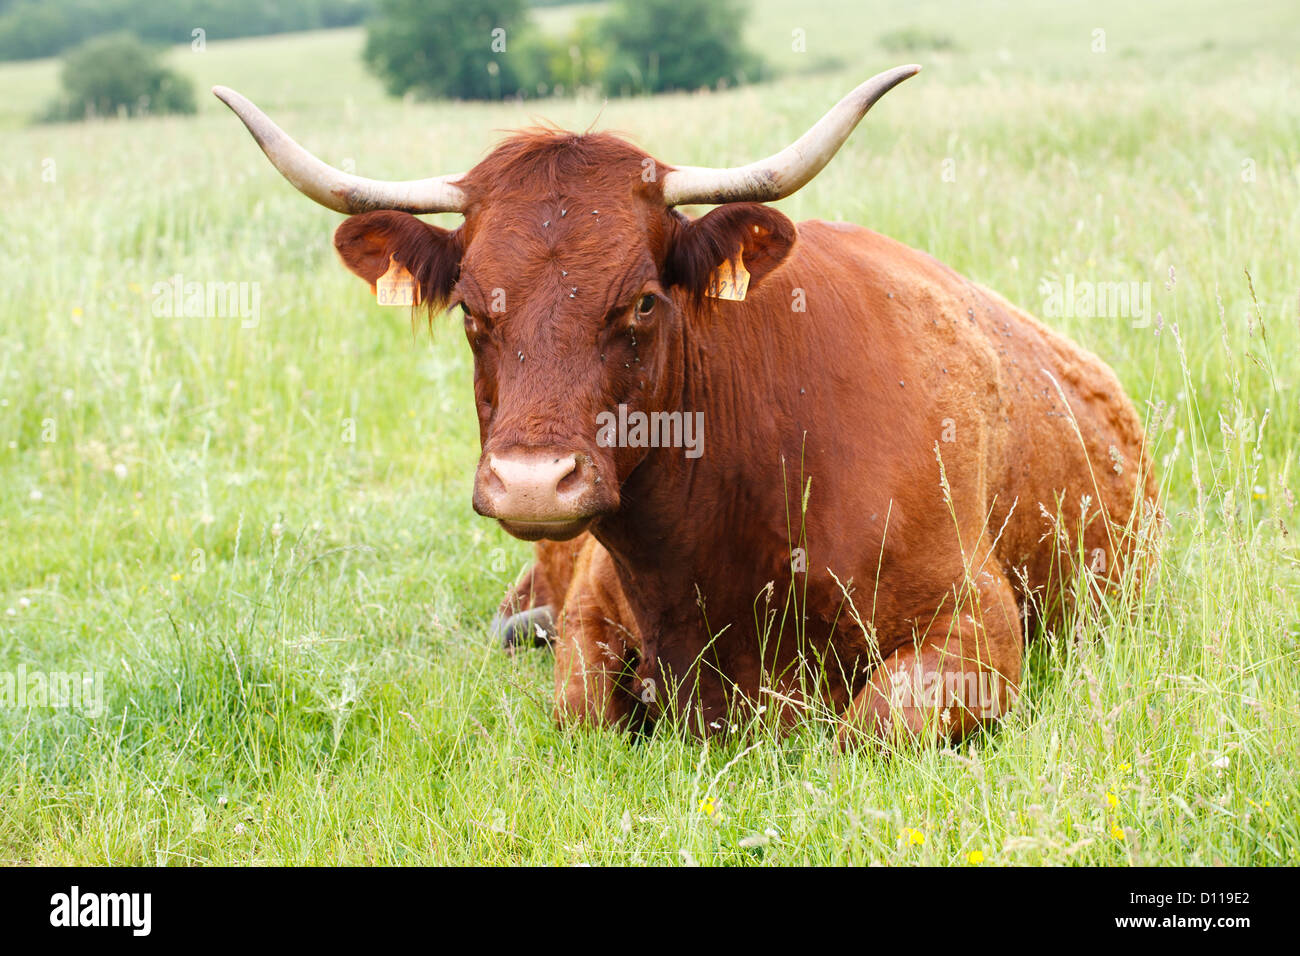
[542, 493]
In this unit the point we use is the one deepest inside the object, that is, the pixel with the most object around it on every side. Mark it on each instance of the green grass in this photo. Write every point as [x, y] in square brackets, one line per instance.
[290, 625]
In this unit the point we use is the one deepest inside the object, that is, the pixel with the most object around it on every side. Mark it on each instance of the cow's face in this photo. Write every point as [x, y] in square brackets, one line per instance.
[577, 281]
[574, 283]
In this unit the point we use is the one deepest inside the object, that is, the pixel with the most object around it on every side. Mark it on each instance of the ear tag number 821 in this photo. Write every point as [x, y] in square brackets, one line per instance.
[396, 286]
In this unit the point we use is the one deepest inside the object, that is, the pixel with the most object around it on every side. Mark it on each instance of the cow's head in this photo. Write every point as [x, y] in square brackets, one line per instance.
[575, 275]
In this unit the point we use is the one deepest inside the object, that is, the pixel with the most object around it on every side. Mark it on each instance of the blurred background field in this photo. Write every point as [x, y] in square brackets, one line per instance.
[261, 536]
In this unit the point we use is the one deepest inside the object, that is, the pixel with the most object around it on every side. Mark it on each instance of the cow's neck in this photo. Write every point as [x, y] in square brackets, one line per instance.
[683, 521]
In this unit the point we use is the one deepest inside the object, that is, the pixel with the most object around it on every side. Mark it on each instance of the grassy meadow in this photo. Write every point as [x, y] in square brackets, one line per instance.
[259, 533]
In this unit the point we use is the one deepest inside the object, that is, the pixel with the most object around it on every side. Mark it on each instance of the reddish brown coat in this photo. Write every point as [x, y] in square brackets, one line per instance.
[938, 432]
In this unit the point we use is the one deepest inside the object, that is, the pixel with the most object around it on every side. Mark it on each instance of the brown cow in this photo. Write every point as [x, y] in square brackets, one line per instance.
[892, 467]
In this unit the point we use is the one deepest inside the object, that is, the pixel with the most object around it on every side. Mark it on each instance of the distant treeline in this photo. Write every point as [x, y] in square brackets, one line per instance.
[35, 28]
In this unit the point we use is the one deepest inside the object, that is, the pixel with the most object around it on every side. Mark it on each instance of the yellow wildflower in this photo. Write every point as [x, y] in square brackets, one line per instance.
[975, 857]
[707, 807]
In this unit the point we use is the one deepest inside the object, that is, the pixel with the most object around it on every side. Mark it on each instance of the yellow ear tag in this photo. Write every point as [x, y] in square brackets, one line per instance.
[730, 280]
[396, 286]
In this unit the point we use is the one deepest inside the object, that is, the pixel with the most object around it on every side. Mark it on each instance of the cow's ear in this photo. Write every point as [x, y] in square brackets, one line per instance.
[759, 233]
[369, 242]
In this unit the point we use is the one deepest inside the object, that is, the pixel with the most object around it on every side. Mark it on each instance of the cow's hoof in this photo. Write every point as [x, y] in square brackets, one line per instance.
[532, 628]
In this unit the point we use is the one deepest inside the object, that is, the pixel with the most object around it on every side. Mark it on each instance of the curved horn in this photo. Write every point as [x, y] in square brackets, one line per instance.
[778, 176]
[334, 188]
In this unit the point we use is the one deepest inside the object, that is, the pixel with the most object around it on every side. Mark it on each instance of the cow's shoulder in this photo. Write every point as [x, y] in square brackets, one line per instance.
[874, 256]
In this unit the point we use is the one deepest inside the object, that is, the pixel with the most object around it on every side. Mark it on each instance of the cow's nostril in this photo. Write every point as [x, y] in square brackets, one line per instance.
[534, 488]
[492, 481]
[575, 480]
[528, 480]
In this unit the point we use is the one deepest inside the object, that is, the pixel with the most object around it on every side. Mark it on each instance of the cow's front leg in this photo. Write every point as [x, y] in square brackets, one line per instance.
[596, 649]
[592, 673]
[961, 673]
[526, 617]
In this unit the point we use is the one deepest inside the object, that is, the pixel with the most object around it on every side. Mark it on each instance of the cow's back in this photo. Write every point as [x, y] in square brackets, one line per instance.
[954, 373]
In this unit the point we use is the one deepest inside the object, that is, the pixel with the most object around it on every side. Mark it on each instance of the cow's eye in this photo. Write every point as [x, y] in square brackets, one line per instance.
[646, 305]
[472, 324]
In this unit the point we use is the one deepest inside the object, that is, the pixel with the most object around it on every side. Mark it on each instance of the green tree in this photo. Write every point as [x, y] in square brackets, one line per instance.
[450, 48]
[35, 28]
[677, 45]
[119, 73]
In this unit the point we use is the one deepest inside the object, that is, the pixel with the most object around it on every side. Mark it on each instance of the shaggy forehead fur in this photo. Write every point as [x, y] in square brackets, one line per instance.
[549, 209]
[557, 164]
